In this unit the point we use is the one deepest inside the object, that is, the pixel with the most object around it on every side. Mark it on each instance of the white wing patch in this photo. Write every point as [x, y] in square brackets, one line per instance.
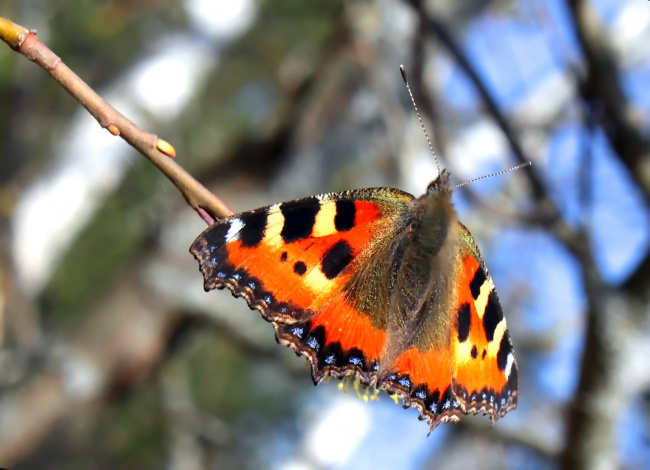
[510, 360]
[236, 225]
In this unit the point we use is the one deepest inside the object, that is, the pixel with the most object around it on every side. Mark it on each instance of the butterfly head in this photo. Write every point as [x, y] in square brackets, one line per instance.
[437, 199]
[439, 186]
[433, 215]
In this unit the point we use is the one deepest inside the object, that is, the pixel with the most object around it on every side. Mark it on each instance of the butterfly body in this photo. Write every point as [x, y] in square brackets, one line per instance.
[376, 284]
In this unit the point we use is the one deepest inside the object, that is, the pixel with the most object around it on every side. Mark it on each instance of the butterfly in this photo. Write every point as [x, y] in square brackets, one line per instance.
[377, 285]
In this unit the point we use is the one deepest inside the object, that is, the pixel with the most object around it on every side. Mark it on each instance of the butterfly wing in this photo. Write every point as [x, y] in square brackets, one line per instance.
[292, 261]
[460, 359]
[485, 375]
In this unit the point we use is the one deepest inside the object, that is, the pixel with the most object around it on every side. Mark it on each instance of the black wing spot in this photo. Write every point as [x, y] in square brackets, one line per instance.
[300, 268]
[477, 282]
[299, 218]
[505, 348]
[252, 233]
[463, 322]
[345, 213]
[484, 354]
[336, 259]
[492, 316]
[284, 256]
[474, 352]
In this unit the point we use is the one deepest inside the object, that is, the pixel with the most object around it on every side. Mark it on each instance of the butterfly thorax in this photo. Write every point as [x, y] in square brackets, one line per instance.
[432, 216]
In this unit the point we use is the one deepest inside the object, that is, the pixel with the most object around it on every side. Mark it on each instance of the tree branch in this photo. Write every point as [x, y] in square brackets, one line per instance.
[602, 83]
[438, 29]
[156, 150]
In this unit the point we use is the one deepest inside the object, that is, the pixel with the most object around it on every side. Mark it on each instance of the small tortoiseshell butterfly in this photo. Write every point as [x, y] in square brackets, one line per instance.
[374, 284]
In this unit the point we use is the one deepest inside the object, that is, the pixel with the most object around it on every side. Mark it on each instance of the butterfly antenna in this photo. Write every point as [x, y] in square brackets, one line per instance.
[406, 82]
[518, 167]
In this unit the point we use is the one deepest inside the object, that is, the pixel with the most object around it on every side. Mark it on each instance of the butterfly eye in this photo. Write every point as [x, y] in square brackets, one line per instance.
[432, 188]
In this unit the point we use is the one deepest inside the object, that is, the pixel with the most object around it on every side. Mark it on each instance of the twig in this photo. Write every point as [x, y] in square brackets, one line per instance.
[156, 150]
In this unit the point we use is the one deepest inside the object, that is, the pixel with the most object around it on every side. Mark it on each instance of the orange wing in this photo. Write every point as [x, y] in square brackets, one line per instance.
[476, 370]
[485, 368]
[291, 261]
